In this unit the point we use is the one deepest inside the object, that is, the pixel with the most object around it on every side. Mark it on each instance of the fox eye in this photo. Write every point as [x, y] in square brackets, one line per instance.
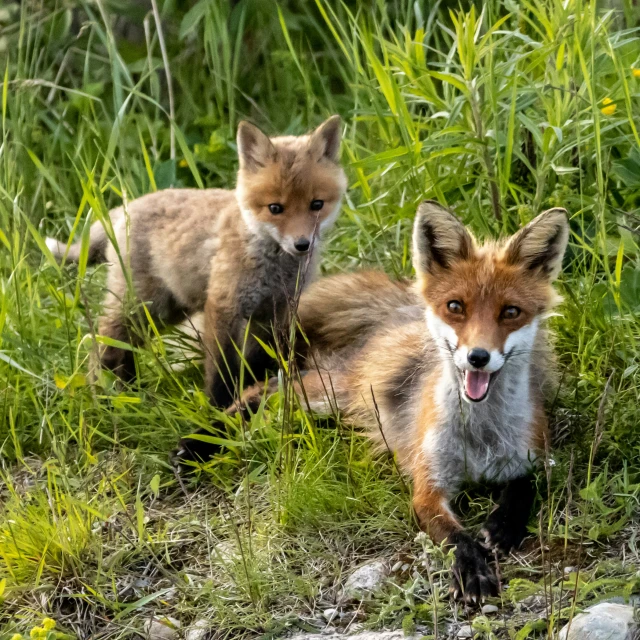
[455, 306]
[316, 205]
[510, 313]
[276, 208]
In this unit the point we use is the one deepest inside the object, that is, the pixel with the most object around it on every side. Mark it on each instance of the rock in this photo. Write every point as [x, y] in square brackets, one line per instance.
[604, 621]
[632, 601]
[330, 614]
[465, 631]
[366, 579]
[164, 628]
[365, 635]
[490, 608]
[198, 630]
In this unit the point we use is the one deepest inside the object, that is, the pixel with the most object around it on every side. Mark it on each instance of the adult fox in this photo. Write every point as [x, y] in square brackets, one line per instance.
[449, 373]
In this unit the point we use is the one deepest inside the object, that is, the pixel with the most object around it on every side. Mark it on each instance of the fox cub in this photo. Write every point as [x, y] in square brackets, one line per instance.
[236, 254]
[450, 373]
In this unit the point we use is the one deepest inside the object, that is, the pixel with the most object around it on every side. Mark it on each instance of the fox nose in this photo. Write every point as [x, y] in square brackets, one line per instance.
[302, 244]
[478, 357]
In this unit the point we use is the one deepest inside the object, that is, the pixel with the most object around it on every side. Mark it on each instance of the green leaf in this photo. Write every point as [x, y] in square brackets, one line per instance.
[192, 18]
[154, 485]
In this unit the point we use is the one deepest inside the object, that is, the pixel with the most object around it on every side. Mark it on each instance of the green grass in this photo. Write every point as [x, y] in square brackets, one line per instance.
[496, 109]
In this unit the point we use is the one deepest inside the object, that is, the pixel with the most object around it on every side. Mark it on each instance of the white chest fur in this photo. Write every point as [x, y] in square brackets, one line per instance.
[489, 440]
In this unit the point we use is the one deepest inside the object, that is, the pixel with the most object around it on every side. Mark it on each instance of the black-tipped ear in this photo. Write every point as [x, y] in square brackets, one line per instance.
[439, 238]
[254, 147]
[541, 244]
[325, 140]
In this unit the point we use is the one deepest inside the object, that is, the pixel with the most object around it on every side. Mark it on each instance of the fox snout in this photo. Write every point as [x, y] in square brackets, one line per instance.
[302, 244]
[478, 357]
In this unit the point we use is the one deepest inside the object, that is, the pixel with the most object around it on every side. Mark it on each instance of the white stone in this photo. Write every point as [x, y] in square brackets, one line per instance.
[163, 628]
[490, 608]
[197, 630]
[465, 631]
[366, 579]
[365, 635]
[330, 614]
[604, 621]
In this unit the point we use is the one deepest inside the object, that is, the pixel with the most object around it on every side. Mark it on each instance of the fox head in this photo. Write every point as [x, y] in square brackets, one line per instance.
[290, 188]
[485, 302]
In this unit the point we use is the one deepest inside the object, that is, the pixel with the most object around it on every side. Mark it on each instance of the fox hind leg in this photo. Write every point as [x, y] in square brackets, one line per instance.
[113, 325]
[315, 391]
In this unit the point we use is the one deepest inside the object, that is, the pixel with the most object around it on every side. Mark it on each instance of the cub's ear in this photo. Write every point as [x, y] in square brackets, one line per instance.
[324, 142]
[541, 244]
[439, 238]
[254, 147]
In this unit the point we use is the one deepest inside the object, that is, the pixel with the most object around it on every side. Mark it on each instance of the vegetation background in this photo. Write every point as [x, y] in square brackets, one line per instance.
[500, 109]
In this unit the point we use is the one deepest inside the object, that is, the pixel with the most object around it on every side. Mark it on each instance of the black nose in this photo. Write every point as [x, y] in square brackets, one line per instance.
[302, 245]
[478, 357]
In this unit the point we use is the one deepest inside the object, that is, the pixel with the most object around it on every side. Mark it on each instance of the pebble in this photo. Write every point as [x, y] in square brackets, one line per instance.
[490, 608]
[164, 628]
[329, 634]
[465, 631]
[604, 621]
[330, 614]
[366, 579]
[198, 630]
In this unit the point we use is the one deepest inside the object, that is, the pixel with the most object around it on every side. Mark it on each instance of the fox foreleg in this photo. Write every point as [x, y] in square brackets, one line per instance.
[506, 526]
[473, 578]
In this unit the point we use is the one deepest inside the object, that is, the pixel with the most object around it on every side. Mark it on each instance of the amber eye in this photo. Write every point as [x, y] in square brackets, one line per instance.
[455, 306]
[510, 313]
[316, 205]
[276, 208]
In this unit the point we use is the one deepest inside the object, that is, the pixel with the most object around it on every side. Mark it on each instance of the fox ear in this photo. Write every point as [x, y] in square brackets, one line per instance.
[439, 238]
[255, 150]
[325, 140]
[541, 244]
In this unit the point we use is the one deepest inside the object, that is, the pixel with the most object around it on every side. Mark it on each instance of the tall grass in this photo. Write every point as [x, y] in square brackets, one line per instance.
[499, 110]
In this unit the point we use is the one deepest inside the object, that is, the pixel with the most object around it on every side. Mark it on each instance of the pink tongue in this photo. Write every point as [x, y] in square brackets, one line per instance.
[476, 384]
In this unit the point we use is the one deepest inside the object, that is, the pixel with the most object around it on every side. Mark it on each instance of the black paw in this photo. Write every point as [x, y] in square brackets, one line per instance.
[194, 448]
[473, 577]
[504, 532]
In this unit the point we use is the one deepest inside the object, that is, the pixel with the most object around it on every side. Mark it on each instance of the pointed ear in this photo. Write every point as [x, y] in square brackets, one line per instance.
[255, 150]
[325, 140]
[541, 244]
[439, 238]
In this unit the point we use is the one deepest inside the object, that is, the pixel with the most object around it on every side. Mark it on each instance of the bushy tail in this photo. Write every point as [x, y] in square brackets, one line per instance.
[97, 246]
[343, 310]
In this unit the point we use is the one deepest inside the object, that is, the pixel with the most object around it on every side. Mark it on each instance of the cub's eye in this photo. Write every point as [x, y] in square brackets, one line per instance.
[276, 208]
[510, 313]
[316, 205]
[455, 306]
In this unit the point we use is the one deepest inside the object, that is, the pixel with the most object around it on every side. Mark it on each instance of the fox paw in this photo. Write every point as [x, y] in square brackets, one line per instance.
[473, 577]
[503, 535]
[192, 450]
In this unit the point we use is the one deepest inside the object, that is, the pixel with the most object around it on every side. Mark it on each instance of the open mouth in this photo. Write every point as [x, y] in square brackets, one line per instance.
[477, 384]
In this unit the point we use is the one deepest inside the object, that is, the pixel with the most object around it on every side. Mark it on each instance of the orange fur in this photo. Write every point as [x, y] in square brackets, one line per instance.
[402, 378]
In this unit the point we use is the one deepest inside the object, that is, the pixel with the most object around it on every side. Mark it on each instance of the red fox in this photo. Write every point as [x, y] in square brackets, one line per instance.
[236, 254]
[450, 373]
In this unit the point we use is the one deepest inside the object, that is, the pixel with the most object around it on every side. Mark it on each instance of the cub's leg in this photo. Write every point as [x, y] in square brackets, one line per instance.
[114, 324]
[318, 392]
[506, 526]
[221, 342]
[124, 319]
[473, 577]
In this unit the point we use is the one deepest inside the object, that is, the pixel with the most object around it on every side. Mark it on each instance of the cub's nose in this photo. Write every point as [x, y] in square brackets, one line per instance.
[302, 245]
[478, 357]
